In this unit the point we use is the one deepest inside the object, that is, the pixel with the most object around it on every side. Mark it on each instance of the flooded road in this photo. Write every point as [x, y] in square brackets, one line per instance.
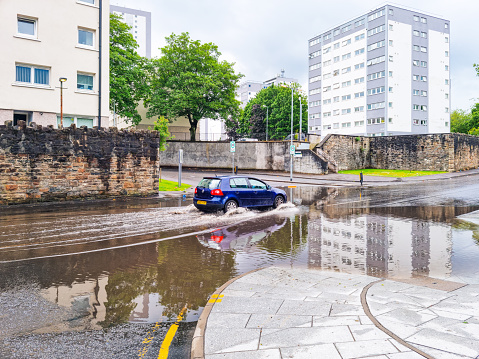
[108, 279]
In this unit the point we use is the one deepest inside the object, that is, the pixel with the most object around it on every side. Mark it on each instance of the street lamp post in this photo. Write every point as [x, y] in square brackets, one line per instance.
[300, 119]
[62, 80]
[267, 108]
[291, 144]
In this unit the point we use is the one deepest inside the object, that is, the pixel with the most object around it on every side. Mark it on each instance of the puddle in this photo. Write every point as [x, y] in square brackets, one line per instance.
[143, 263]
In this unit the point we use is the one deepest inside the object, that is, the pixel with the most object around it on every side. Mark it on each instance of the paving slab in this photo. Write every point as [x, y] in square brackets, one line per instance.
[306, 313]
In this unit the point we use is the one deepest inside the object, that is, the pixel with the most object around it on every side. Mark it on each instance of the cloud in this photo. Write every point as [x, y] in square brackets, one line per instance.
[262, 37]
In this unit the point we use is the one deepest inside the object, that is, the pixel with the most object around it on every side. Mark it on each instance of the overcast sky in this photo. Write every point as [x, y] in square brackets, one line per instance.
[262, 37]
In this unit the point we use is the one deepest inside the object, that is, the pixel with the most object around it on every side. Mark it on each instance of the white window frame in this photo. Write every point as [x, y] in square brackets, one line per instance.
[92, 46]
[85, 90]
[35, 27]
[32, 76]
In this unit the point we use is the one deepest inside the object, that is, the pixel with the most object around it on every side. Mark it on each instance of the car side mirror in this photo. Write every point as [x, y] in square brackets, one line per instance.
[268, 187]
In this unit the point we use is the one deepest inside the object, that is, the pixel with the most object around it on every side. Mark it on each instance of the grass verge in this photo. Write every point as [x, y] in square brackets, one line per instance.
[391, 173]
[165, 185]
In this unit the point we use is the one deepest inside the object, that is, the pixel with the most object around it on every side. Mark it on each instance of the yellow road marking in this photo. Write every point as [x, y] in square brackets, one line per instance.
[291, 186]
[165, 346]
[215, 298]
[150, 335]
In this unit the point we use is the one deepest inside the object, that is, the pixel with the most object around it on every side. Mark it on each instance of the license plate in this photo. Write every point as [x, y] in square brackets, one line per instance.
[201, 202]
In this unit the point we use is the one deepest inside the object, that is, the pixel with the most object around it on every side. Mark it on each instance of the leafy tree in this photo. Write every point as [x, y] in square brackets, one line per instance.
[278, 101]
[128, 76]
[460, 121]
[476, 66]
[463, 122]
[161, 125]
[189, 80]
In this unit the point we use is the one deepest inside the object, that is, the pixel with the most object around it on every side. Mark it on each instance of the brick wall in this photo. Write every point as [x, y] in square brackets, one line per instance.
[436, 152]
[44, 164]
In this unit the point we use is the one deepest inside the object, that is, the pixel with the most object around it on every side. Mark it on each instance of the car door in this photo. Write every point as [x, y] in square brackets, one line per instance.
[240, 188]
[260, 195]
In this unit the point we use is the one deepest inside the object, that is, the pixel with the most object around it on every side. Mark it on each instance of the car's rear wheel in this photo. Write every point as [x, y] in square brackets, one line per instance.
[278, 201]
[231, 205]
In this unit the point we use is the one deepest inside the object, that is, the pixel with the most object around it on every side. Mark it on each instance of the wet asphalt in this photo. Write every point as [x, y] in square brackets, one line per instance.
[107, 279]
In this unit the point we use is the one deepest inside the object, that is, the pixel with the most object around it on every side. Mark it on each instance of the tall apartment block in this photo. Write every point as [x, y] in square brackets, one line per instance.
[248, 89]
[47, 42]
[140, 23]
[383, 73]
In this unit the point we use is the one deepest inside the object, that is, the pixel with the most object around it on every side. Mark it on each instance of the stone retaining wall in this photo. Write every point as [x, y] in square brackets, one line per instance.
[44, 164]
[437, 152]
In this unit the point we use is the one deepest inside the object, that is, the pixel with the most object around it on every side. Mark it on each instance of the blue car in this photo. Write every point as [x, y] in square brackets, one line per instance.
[230, 192]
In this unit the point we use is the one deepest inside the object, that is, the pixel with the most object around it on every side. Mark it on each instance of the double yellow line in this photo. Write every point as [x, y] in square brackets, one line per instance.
[165, 346]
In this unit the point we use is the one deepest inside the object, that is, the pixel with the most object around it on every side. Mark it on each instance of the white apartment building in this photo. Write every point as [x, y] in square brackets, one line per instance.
[140, 23]
[383, 73]
[44, 41]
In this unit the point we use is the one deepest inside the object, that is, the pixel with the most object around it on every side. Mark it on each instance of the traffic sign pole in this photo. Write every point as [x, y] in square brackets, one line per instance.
[233, 150]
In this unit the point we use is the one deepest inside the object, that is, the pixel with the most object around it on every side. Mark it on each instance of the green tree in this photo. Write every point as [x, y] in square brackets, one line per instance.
[460, 121]
[190, 81]
[474, 121]
[161, 125]
[128, 76]
[278, 101]
[476, 66]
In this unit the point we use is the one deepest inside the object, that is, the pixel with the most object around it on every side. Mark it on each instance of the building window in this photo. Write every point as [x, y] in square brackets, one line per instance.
[88, 1]
[359, 109]
[346, 70]
[423, 49]
[376, 30]
[390, 104]
[446, 82]
[446, 25]
[415, 62]
[346, 42]
[359, 66]
[415, 92]
[346, 124]
[336, 99]
[346, 56]
[314, 54]
[336, 125]
[376, 15]
[359, 52]
[359, 80]
[376, 60]
[327, 114]
[84, 82]
[446, 68]
[415, 77]
[376, 75]
[27, 27]
[424, 78]
[314, 79]
[423, 93]
[391, 27]
[327, 101]
[359, 37]
[346, 97]
[390, 120]
[335, 112]
[336, 32]
[336, 46]
[415, 122]
[416, 48]
[346, 111]
[327, 63]
[375, 106]
[39, 75]
[346, 84]
[314, 67]
[375, 91]
[390, 89]
[423, 122]
[346, 28]
[85, 37]
[336, 72]
[415, 33]
[446, 53]
[423, 20]
[391, 12]
[446, 96]
[424, 35]
[314, 42]
[391, 58]
[359, 94]
[359, 23]
[390, 42]
[327, 36]
[423, 63]
[390, 74]
[416, 18]
[446, 39]
[447, 109]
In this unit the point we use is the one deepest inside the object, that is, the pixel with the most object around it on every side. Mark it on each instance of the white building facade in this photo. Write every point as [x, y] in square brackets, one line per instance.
[383, 73]
[43, 42]
[140, 23]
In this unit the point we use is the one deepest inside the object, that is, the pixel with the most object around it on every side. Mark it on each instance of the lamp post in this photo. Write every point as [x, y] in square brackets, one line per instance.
[62, 80]
[267, 108]
[291, 143]
[300, 118]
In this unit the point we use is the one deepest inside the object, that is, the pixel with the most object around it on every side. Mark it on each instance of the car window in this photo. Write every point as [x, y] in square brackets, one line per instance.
[238, 183]
[256, 184]
[210, 183]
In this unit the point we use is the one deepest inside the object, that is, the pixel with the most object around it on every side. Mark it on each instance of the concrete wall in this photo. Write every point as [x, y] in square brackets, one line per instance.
[436, 152]
[249, 155]
[44, 164]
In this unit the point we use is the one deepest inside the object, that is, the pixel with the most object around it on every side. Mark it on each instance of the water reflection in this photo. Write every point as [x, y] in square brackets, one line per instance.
[349, 230]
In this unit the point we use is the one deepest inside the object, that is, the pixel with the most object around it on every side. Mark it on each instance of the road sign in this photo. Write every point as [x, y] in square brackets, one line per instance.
[181, 156]
[292, 149]
[232, 146]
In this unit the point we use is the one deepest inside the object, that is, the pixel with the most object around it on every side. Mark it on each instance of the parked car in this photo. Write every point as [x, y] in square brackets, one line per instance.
[230, 192]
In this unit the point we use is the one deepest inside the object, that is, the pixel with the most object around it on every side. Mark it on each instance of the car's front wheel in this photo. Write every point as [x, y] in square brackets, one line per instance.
[278, 201]
[231, 205]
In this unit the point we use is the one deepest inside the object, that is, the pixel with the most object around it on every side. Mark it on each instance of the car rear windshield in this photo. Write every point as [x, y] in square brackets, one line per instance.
[210, 183]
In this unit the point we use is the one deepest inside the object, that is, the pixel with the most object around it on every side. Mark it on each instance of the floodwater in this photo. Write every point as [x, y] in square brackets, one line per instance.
[142, 261]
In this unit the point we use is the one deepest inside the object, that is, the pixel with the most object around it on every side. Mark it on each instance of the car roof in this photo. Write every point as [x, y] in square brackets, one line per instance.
[226, 177]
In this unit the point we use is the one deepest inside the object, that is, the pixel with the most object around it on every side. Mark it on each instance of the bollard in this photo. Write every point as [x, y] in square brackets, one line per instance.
[361, 178]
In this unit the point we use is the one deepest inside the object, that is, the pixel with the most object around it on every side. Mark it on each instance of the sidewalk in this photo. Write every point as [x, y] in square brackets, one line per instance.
[279, 178]
[302, 313]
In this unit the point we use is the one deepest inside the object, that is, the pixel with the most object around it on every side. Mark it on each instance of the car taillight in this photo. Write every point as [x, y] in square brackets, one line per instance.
[216, 192]
[196, 190]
